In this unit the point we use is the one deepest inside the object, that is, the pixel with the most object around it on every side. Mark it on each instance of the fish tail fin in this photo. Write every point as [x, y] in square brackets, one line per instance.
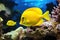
[46, 15]
[40, 22]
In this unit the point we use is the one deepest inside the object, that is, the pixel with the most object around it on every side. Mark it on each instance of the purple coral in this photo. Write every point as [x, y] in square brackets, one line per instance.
[56, 13]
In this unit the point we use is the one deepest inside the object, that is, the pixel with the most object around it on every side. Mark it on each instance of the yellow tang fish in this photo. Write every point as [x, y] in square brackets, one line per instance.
[33, 17]
[11, 23]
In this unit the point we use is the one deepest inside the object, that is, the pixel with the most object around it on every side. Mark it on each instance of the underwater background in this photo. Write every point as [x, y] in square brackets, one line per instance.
[24, 4]
[29, 19]
[18, 6]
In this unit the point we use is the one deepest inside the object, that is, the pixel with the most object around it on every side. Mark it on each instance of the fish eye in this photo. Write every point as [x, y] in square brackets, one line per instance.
[22, 19]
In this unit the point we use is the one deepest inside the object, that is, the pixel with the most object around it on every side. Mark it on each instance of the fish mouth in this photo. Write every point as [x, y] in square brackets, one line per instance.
[21, 23]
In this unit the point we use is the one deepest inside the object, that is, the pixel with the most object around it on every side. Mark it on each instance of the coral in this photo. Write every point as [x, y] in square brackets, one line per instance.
[38, 34]
[56, 13]
[14, 34]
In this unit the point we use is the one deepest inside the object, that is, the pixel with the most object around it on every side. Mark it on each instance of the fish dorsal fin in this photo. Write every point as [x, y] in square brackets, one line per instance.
[40, 22]
[46, 15]
[37, 10]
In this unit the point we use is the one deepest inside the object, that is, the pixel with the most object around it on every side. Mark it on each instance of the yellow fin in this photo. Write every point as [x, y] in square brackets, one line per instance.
[40, 22]
[46, 15]
[37, 10]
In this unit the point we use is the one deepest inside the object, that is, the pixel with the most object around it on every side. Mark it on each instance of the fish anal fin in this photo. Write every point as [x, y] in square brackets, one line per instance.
[40, 22]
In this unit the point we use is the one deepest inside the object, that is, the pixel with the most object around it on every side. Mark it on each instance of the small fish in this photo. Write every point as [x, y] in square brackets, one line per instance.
[33, 17]
[11, 23]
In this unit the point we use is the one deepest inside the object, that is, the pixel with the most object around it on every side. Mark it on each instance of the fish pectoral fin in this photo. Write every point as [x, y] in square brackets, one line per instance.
[40, 22]
[46, 15]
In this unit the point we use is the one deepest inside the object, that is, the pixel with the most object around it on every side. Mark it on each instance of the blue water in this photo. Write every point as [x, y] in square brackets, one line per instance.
[24, 4]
